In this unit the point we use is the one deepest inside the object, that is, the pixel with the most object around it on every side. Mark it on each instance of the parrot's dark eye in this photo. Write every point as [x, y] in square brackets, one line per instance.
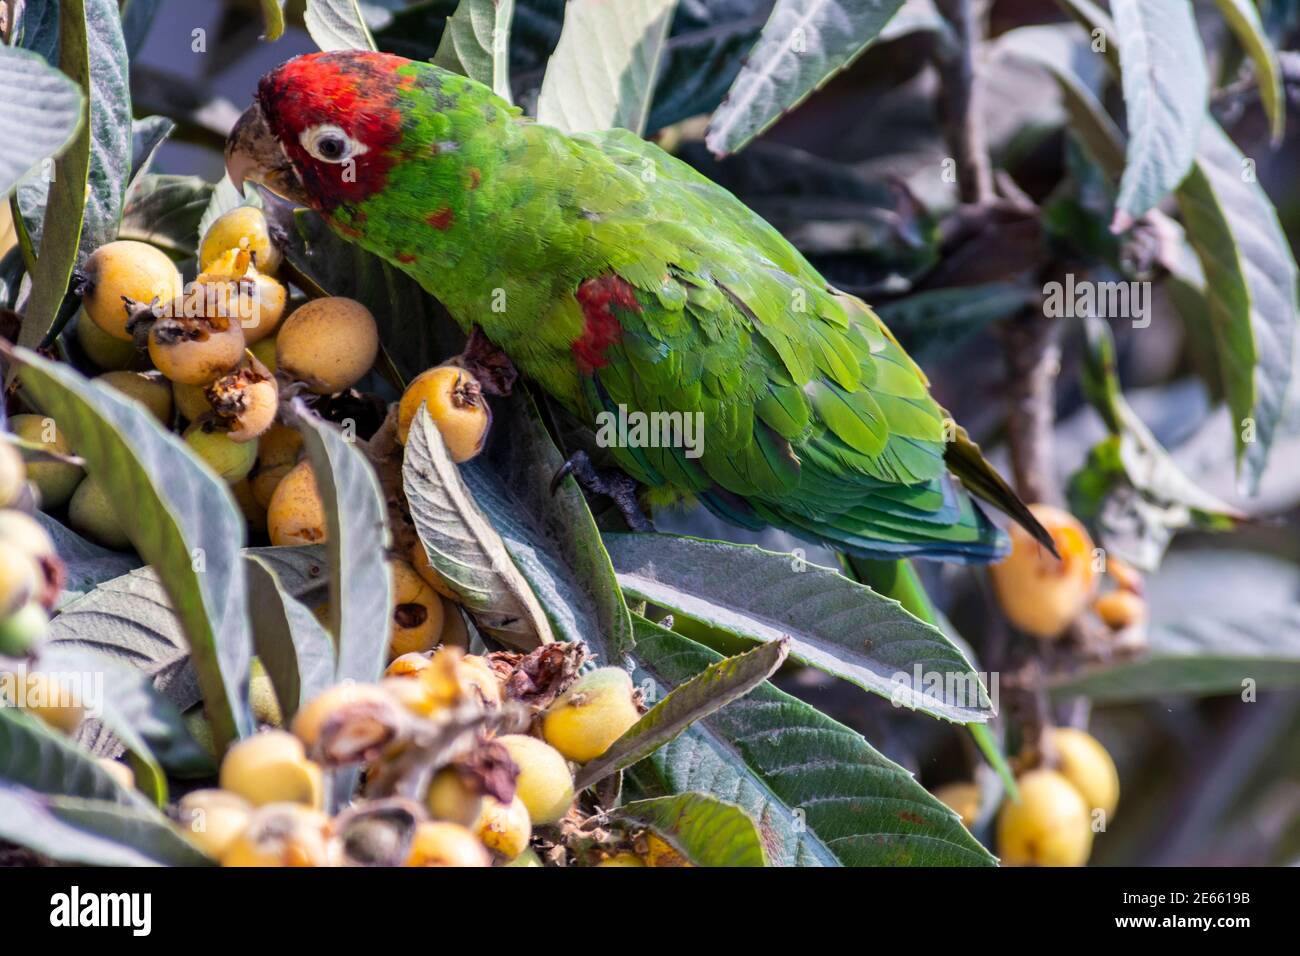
[330, 144]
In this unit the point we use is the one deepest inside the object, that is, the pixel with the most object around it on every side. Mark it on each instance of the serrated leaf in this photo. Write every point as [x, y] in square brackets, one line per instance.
[39, 758]
[718, 685]
[1243, 18]
[41, 122]
[553, 538]
[1069, 59]
[476, 43]
[1198, 642]
[703, 829]
[165, 211]
[834, 624]
[804, 44]
[85, 563]
[92, 832]
[1250, 287]
[773, 755]
[463, 546]
[356, 520]
[1166, 89]
[338, 25]
[94, 31]
[177, 505]
[291, 644]
[602, 74]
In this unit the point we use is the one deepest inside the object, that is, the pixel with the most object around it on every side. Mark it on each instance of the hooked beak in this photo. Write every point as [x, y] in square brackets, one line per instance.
[253, 154]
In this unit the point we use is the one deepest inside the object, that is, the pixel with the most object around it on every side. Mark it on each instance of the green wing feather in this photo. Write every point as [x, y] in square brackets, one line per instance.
[815, 418]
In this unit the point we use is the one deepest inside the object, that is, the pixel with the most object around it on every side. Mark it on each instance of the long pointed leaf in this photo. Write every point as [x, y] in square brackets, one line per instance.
[182, 519]
[804, 44]
[834, 624]
[356, 518]
[821, 795]
[1166, 88]
[712, 689]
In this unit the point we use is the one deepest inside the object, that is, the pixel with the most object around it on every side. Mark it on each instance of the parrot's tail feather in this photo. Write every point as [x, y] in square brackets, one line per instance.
[877, 527]
[968, 463]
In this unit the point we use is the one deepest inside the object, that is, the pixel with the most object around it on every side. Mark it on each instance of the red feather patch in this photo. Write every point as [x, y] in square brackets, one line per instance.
[598, 298]
[442, 219]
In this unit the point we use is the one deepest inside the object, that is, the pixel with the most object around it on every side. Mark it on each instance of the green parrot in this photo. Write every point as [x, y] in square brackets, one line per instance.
[621, 281]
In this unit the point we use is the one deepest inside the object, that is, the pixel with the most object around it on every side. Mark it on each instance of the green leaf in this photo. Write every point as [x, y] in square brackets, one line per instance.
[99, 38]
[165, 211]
[39, 758]
[40, 123]
[476, 43]
[356, 519]
[85, 563]
[182, 518]
[92, 832]
[705, 830]
[1243, 18]
[553, 538]
[602, 74]
[1250, 286]
[291, 644]
[130, 619]
[147, 134]
[705, 50]
[1071, 62]
[804, 44]
[821, 795]
[715, 687]
[1166, 88]
[273, 15]
[338, 25]
[834, 624]
[61, 204]
[1200, 643]
[463, 546]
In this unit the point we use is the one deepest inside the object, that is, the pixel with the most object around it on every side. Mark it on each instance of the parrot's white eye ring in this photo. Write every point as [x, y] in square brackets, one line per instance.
[330, 144]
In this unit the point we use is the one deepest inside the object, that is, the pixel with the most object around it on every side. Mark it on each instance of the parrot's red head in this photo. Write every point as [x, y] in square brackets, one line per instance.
[322, 128]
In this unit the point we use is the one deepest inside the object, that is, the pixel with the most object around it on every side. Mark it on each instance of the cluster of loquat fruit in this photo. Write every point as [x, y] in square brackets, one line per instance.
[214, 358]
[459, 771]
[1070, 788]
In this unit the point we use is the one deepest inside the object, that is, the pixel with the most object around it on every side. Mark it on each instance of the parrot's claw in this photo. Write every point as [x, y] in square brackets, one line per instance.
[618, 487]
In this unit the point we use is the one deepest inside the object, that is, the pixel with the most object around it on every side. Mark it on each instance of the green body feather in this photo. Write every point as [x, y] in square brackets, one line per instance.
[815, 420]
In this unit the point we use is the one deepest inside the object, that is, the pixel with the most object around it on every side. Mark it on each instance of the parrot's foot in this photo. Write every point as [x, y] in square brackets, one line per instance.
[618, 487]
[495, 372]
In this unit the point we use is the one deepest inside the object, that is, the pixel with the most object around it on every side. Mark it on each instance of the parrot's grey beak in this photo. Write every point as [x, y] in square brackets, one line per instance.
[253, 154]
